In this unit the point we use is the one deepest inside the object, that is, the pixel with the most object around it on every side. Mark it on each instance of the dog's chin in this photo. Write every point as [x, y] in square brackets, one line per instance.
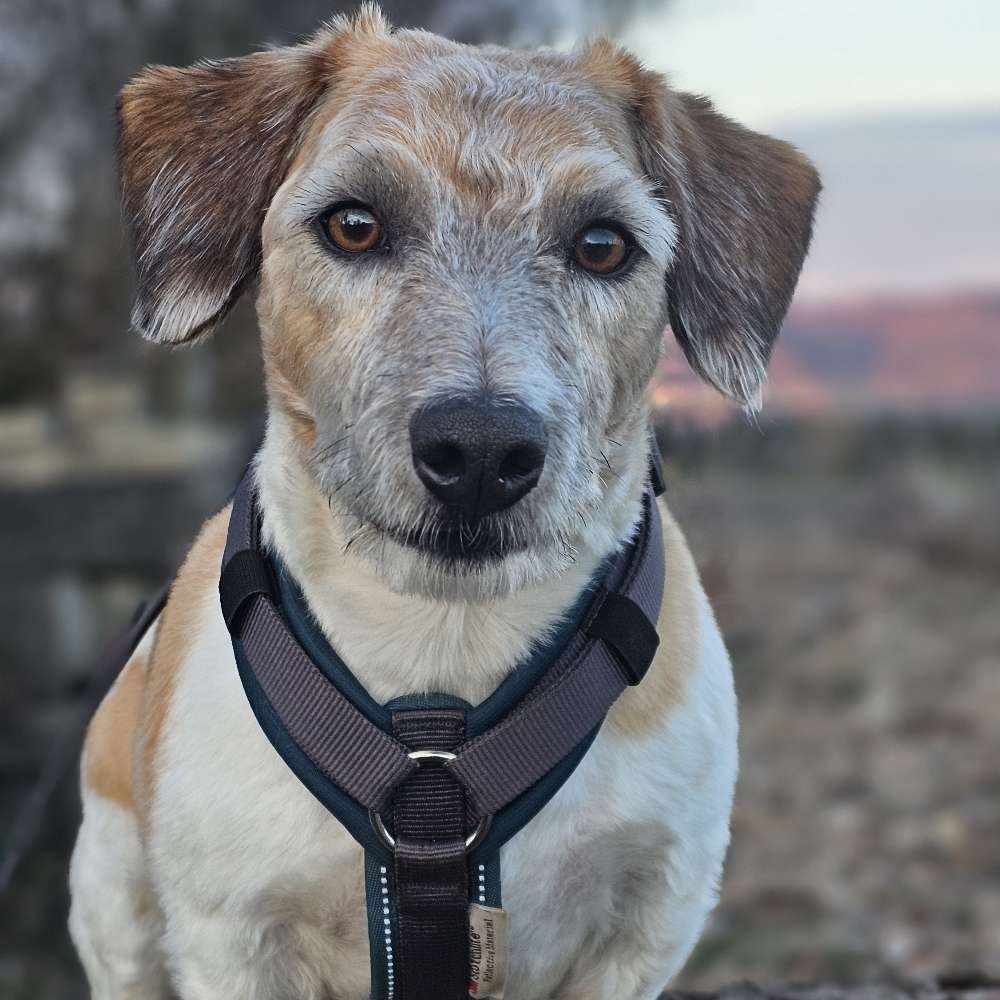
[453, 562]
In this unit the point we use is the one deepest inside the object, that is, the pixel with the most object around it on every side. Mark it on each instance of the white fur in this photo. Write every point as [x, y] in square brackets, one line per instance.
[114, 920]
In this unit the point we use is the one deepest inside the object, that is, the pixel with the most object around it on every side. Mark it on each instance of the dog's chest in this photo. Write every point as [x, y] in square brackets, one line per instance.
[242, 828]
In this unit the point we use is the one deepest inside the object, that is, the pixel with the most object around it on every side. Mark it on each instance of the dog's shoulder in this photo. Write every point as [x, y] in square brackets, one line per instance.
[123, 738]
[688, 635]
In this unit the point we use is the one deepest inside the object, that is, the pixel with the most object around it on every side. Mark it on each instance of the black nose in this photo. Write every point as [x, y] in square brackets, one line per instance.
[478, 455]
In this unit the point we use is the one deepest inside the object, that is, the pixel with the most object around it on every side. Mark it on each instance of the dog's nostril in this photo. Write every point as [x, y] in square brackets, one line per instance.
[445, 462]
[520, 463]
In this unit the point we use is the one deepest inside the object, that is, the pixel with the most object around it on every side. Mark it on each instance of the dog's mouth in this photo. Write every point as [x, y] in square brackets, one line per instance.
[455, 539]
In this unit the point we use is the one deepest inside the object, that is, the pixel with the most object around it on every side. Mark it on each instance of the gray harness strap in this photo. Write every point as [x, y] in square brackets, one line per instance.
[504, 762]
[352, 752]
[439, 789]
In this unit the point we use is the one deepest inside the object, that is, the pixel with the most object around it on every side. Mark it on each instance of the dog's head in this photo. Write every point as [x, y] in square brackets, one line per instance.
[466, 258]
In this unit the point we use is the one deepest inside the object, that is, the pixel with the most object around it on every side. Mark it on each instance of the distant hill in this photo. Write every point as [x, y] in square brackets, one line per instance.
[872, 356]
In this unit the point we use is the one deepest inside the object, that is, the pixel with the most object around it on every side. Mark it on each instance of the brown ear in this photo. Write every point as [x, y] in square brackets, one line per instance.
[202, 151]
[744, 205]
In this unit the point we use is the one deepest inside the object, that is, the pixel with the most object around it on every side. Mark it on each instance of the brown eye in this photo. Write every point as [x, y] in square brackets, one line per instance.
[353, 229]
[601, 249]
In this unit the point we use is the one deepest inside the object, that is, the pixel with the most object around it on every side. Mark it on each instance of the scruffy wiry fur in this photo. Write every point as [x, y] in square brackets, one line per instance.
[206, 861]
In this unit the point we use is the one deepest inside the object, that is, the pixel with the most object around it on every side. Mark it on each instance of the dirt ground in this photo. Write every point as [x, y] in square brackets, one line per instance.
[858, 586]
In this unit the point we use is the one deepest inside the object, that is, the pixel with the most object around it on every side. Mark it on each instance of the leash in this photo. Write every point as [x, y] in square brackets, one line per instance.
[430, 786]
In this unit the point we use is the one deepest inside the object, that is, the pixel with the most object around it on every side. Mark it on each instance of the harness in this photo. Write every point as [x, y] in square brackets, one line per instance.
[430, 786]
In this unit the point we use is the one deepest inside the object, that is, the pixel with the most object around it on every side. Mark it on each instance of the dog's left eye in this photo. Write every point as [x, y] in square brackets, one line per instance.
[353, 228]
[602, 248]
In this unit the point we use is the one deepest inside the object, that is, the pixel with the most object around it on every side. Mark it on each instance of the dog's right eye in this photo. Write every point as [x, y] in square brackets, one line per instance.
[602, 248]
[353, 229]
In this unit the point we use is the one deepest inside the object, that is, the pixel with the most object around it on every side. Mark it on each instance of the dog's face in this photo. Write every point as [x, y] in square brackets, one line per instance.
[462, 303]
[466, 258]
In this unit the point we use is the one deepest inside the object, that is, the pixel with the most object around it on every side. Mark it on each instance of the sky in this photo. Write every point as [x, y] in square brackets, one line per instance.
[896, 101]
[771, 62]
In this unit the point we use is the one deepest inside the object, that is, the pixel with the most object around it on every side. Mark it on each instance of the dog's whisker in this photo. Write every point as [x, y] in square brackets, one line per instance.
[600, 472]
[354, 537]
[329, 450]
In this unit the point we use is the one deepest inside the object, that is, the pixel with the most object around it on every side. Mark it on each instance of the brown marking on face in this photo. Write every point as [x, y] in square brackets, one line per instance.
[292, 352]
[287, 364]
[195, 589]
[641, 711]
[293, 349]
[107, 758]
[349, 58]
[202, 151]
[353, 54]
[363, 65]
[613, 69]
[376, 77]
[283, 395]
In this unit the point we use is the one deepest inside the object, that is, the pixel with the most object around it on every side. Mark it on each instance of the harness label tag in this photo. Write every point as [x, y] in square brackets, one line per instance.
[487, 951]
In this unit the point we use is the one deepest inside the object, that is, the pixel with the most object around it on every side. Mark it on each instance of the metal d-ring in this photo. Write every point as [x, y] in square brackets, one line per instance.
[420, 756]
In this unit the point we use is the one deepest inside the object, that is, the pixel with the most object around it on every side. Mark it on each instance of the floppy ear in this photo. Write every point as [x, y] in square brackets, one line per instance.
[202, 152]
[744, 204]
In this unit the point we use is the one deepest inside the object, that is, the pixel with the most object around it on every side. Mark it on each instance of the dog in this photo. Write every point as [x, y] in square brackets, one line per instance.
[432, 227]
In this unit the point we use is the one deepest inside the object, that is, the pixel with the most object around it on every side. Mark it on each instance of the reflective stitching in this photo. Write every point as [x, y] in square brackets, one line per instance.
[387, 924]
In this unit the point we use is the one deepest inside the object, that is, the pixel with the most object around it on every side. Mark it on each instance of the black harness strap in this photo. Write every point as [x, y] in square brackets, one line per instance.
[432, 890]
[430, 791]
[247, 575]
[622, 625]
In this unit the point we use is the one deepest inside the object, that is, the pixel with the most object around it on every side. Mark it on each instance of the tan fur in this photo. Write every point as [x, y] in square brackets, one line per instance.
[185, 284]
[612, 68]
[107, 758]
[642, 711]
[287, 361]
[195, 587]
[286, 397]
[371, 71]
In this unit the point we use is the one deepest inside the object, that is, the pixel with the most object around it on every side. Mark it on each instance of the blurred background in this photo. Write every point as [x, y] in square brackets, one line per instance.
[849, 537]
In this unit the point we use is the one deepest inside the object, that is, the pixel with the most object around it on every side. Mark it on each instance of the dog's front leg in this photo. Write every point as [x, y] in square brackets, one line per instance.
[216, 957]
[224, 956]
[645, 953]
